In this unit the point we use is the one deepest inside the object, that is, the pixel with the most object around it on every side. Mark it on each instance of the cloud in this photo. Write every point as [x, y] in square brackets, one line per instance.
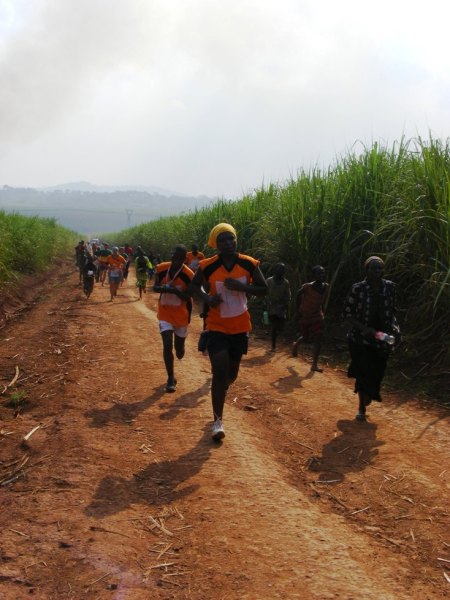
[212, 96]
[62, 52]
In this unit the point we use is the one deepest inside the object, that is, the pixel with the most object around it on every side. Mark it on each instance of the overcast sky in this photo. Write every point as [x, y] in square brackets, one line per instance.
[212, 97]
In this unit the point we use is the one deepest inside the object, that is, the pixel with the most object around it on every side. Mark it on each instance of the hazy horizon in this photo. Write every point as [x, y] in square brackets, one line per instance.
[94, 209]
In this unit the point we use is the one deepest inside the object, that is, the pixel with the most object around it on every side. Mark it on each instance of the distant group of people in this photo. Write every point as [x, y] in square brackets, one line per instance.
[224, 281]
[98, 261]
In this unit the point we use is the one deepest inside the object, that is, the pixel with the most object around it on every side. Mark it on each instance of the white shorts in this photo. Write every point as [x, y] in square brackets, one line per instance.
[179, 331]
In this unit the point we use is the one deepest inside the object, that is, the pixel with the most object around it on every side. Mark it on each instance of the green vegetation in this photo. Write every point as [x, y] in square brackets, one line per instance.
[393, 202]
[16, 399]
[28, 244]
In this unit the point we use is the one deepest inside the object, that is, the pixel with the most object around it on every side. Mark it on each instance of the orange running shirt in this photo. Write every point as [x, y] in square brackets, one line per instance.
[171, 308]
[116, 262]
[193, 261]
[231, 316]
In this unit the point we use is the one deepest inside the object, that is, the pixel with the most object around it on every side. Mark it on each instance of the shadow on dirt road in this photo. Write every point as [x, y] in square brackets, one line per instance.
[157, 484]
[350, 452]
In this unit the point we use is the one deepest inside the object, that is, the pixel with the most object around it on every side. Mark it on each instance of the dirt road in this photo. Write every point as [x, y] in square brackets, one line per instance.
[121, 494]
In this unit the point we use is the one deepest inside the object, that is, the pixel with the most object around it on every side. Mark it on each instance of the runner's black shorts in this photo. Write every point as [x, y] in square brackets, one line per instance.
[235, 344]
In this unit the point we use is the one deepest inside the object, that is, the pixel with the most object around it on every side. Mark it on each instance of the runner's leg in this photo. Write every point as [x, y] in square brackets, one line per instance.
[316, 352]
[361, 416]
[274, 334]
[233, 371]
[179, 346]
[113, 285]
[167, 339]
[296, 344]
[220, 366]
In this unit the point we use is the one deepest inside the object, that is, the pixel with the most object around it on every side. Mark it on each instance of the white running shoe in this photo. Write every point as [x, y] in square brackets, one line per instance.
[218, 432]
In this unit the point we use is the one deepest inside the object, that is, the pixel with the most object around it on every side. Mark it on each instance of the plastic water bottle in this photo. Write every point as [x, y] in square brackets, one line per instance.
[385, 337]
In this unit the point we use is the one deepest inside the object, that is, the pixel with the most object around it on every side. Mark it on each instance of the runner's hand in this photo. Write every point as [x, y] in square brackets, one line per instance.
[214, 301]
[234, 284]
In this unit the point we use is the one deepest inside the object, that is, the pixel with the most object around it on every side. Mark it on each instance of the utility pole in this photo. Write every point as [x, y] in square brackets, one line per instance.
[129, 213]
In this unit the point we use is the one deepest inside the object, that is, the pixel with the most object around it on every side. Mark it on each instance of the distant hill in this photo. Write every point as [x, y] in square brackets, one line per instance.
[90, 209]
[85, 186]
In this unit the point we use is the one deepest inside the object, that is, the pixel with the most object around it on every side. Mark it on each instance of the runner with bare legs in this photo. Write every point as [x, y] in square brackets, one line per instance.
[102, 255]
[142, 266]
[172, 282]
[230, 277]
[116, 264]
[310, 310]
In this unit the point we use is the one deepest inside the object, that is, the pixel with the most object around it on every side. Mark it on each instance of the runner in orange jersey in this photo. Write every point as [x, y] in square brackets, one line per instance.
[172, 281]
[229, 276]
[193, 258]
[116, 264]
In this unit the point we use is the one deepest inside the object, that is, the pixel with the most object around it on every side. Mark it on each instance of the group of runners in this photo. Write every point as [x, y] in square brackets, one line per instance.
[223, 282]
[100, 262]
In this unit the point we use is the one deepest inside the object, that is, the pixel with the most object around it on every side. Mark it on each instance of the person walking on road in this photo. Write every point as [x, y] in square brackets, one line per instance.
[370, 310]
[126, 267]
[89, 273]
[172, 282]
[142, 265]
[229, 276]
[80, 257]
[278, 300]
[310, 304]
[102, 256]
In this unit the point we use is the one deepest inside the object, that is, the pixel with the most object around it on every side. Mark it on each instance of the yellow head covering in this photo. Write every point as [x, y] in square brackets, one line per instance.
[217, 230]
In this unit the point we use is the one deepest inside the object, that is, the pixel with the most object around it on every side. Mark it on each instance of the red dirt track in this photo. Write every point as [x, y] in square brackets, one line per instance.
[121, 494]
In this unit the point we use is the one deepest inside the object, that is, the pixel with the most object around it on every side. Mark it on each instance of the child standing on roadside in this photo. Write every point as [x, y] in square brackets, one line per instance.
[310, 310]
